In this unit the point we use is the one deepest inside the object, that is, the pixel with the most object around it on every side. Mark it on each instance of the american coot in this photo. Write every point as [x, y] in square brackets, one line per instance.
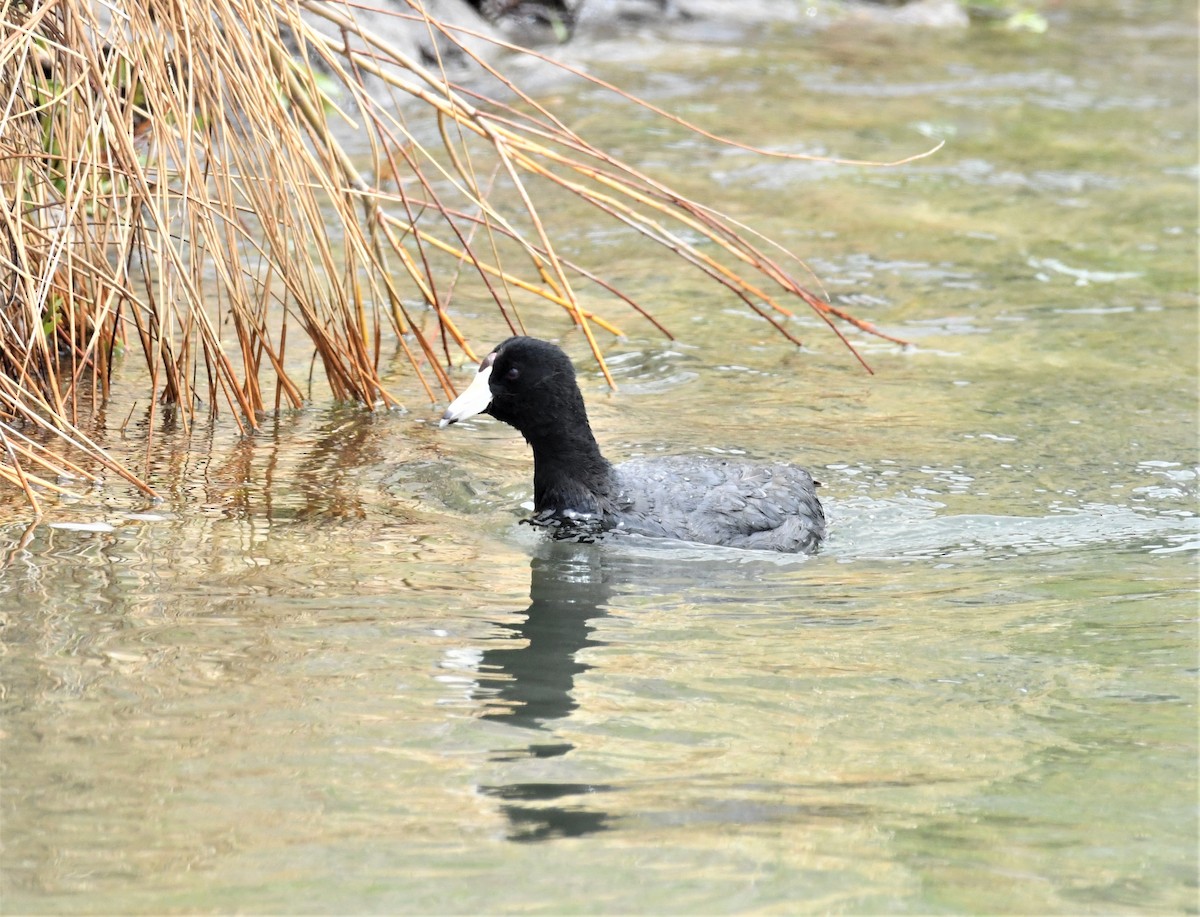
[530, 384]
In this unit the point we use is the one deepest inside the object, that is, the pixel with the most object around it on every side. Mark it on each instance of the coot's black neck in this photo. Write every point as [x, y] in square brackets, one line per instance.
[570, 475]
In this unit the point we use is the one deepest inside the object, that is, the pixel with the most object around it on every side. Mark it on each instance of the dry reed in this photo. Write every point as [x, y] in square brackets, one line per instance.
[174, 183]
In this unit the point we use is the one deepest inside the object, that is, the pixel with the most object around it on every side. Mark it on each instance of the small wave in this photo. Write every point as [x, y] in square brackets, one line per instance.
[908, 528]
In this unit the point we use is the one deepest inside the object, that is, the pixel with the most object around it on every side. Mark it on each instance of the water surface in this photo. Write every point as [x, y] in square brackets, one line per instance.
[332, 673]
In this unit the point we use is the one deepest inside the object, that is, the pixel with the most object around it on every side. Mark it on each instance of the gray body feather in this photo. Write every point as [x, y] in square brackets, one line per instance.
[718, 501]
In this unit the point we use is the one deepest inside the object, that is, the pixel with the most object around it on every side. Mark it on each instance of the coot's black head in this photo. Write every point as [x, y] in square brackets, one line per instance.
[528, 384]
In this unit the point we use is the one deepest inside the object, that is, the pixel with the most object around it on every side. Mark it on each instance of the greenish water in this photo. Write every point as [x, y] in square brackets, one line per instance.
[331, 673]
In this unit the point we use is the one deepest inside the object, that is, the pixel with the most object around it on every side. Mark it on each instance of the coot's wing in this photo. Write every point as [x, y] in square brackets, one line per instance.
[714, 501]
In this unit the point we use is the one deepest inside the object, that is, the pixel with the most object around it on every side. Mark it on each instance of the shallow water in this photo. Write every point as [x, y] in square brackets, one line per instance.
[332, 673]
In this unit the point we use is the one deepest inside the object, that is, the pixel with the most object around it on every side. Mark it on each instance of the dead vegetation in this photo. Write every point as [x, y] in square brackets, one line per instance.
[175, 187]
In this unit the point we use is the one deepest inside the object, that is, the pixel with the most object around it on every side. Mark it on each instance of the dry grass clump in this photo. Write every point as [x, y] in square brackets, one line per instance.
[174, 184]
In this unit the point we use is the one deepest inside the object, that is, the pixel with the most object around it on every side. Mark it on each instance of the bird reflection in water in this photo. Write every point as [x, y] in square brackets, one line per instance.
[531, 686]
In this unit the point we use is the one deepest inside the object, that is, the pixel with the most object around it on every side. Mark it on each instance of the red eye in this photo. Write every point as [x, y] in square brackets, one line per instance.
[512, 374]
